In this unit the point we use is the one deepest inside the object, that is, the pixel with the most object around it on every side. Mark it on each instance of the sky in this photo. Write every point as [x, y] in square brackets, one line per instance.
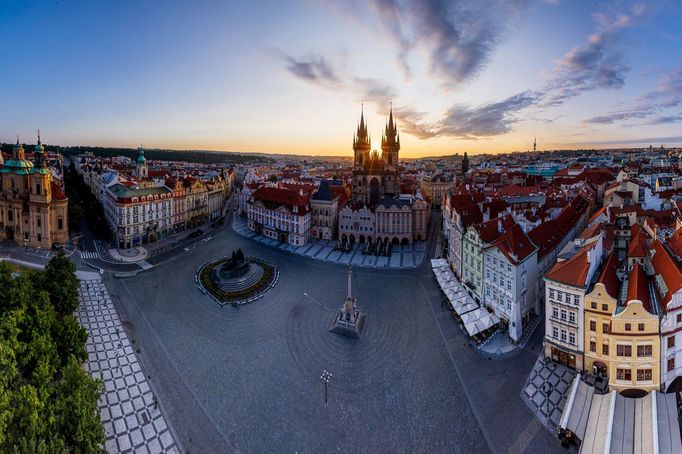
[482, 76]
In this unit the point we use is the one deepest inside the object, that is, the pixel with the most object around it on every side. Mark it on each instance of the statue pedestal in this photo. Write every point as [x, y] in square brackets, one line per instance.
[348, 321]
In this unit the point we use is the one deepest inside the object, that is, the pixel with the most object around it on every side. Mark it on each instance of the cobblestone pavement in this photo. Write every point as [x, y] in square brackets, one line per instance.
[129, 410]
[550, 378]
[403, 256]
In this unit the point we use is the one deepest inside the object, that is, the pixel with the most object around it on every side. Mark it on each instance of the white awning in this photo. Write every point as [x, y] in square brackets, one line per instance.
[616, 424]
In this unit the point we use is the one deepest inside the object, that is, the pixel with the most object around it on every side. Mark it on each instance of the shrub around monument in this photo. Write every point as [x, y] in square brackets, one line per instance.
[256, 289]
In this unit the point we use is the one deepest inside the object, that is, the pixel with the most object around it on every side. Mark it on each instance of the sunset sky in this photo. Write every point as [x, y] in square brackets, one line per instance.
[290, 76]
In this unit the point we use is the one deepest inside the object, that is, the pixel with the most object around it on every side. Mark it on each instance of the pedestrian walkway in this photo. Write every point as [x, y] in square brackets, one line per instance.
[403, 256]
[129, 410]
[89, 254]
[145, 265]
[547, 388]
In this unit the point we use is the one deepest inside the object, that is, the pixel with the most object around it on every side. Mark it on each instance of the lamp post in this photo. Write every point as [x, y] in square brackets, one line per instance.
[325, 377]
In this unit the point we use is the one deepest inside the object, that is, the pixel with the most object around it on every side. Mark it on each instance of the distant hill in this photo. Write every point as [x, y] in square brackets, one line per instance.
[200, 156]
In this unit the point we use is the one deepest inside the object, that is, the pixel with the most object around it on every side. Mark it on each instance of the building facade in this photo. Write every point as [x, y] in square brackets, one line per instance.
[33, 207]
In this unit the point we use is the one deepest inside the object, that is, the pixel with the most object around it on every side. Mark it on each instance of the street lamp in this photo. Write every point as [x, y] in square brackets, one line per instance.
[325, 377]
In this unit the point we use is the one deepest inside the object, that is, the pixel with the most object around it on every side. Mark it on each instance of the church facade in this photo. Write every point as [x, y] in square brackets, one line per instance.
[33, 207]
[378, 212]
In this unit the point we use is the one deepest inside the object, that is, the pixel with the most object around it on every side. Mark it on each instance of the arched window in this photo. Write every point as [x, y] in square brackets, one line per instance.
[38, 188]
[60, 224]
[10, 214]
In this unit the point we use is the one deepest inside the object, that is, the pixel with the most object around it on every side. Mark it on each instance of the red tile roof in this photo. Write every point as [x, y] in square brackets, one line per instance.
[545, 236]
[489, 231]
[573, 271]
[609, 277]
[668, 269]
[638, 238]
[280, 196]
[515, 245]
[57, 193]
[638, 287]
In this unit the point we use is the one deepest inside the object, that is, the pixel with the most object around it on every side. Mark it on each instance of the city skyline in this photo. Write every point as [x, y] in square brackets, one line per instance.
[290, 79]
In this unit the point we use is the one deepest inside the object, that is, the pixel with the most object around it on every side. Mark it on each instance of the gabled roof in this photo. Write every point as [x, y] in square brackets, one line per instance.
[546, 237]
[574, 271]
[638, 287]
[609, 276]
[666, 267]
[489, 231]
[637, 246]
[282, 196]
[515, 245]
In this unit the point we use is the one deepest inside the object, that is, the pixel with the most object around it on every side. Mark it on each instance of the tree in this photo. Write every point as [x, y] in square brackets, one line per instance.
[60, 281]
[48, 403]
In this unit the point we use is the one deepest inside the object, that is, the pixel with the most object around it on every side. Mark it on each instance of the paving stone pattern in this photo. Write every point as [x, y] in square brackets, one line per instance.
[129, 411]
[559, 377]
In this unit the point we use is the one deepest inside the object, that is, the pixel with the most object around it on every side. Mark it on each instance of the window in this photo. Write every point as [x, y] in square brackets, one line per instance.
[628, 327]
[679, 318]
[555, 312]
[605, 328]
[551, 294]
[571, 338]
[559, 296]
[671, 364]
[593, 325]
[563, 314]
[605, 349]
[593, 347]
[643, 374]
[644, 351]
[640, 327]
[671, 341]
[555, 332]
[593, 305]
[563, 335]
[576, 300]
[60, 224]
[571, 317]
[623, 350]
[624, 374]
[605, 307]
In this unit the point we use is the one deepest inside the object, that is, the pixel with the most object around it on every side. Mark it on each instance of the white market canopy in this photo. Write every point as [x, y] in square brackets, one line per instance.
[613, 423]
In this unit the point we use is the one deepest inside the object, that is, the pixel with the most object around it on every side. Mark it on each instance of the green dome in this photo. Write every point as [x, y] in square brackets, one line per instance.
[141, 159]
[18, 166]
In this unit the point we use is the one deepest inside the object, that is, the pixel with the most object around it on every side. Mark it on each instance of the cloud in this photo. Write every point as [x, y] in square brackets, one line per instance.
[460, 121]
[667, 95]
[595, 64]
[459, 36]
[487, 120]
[313, 68]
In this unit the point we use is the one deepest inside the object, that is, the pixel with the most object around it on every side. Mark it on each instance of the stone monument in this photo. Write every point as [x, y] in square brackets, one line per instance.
[348, 321]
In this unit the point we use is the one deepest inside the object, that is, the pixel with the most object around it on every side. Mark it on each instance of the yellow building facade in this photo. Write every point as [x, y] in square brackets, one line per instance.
[622, 343]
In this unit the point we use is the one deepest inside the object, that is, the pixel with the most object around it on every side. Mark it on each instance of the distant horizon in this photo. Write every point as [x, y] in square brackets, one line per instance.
[349, 156]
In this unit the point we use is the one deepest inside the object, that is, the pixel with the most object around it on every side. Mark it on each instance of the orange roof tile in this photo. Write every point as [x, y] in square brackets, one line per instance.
[638, 287]
[573, 271]
[609, 276]
[668, 269]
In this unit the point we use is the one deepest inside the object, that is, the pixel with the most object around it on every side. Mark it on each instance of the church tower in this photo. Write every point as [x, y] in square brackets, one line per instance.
[390, 144]
[40, 197]
[141, 169]
[361, 143]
